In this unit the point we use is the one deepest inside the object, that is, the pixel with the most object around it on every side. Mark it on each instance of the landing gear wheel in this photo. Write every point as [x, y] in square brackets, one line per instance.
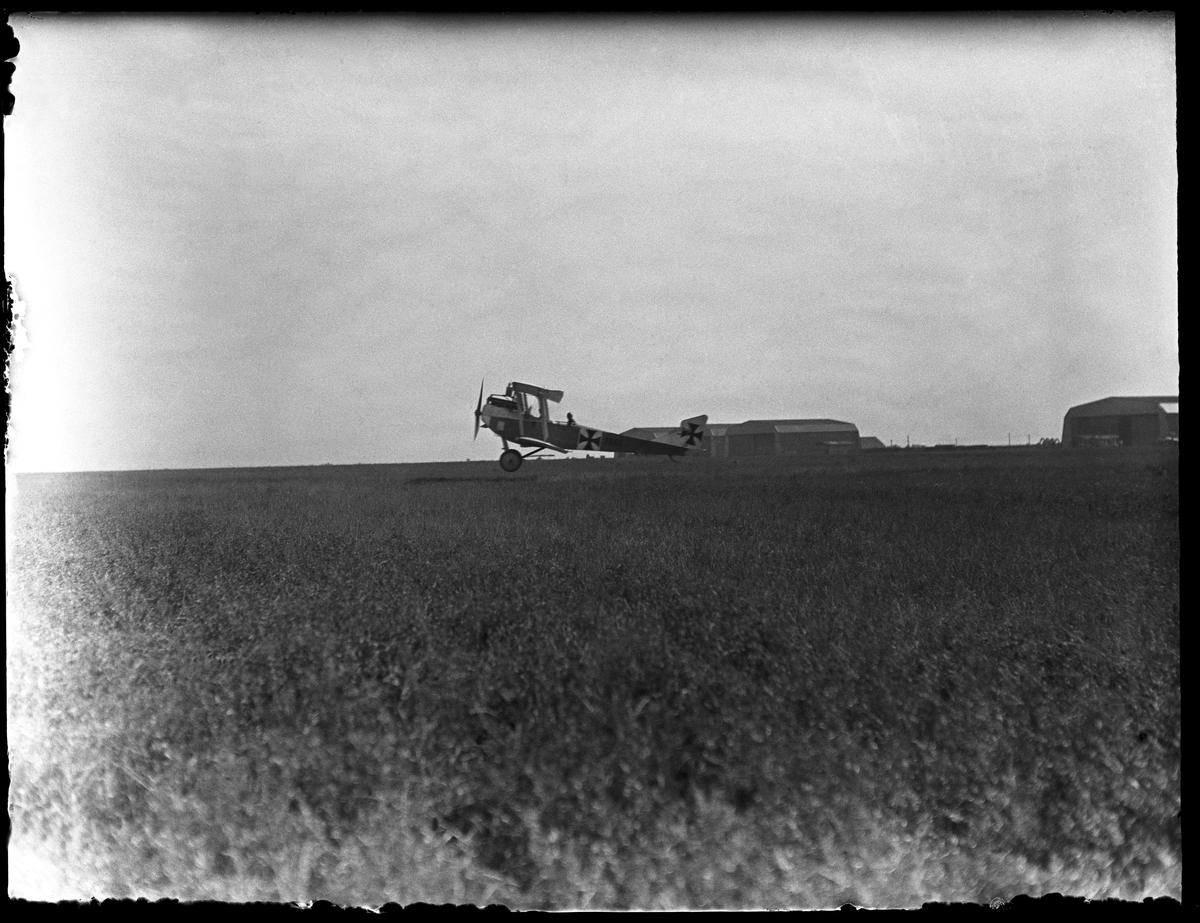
[511, 460]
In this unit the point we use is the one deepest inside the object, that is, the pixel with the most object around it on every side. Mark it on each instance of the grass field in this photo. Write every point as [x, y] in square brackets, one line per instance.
[891, 679]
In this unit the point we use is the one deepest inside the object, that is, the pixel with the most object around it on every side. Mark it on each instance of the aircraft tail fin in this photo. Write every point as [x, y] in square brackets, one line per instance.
[692, 432]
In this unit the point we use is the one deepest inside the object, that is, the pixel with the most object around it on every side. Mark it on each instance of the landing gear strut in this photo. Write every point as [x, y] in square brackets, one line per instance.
[510, 460]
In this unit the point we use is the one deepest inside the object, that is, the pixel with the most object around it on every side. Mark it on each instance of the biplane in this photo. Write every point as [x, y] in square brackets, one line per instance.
[521, 416]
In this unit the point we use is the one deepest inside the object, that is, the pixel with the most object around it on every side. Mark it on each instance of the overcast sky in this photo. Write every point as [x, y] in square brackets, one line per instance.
[268, 241]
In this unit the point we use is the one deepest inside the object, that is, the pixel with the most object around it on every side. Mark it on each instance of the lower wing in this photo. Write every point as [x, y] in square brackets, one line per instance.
[539, 444]
[597, 440]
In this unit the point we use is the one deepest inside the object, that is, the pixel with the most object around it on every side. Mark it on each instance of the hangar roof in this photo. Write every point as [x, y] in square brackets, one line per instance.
[823, 427]
[1124, 406]
[791, 426]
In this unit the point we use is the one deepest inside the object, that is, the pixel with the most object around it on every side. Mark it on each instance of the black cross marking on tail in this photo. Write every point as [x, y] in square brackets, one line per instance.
[589, 439]
[691, 434]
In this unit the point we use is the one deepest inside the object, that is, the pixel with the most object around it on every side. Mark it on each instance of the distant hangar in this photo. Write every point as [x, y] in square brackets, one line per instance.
[769, 437]
[1122, 421]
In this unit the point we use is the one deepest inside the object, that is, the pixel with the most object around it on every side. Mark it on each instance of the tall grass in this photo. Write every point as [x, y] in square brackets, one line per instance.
[599, 684]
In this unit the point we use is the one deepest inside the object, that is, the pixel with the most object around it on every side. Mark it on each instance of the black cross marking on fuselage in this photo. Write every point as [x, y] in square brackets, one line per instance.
[589, 439]
[691, 434]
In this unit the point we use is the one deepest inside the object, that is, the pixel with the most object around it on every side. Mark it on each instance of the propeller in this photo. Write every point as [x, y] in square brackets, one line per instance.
[478, 410]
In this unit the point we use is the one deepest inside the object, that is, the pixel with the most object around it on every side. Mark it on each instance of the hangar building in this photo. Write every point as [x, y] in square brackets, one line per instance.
[1118, 421]
[769, 437]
